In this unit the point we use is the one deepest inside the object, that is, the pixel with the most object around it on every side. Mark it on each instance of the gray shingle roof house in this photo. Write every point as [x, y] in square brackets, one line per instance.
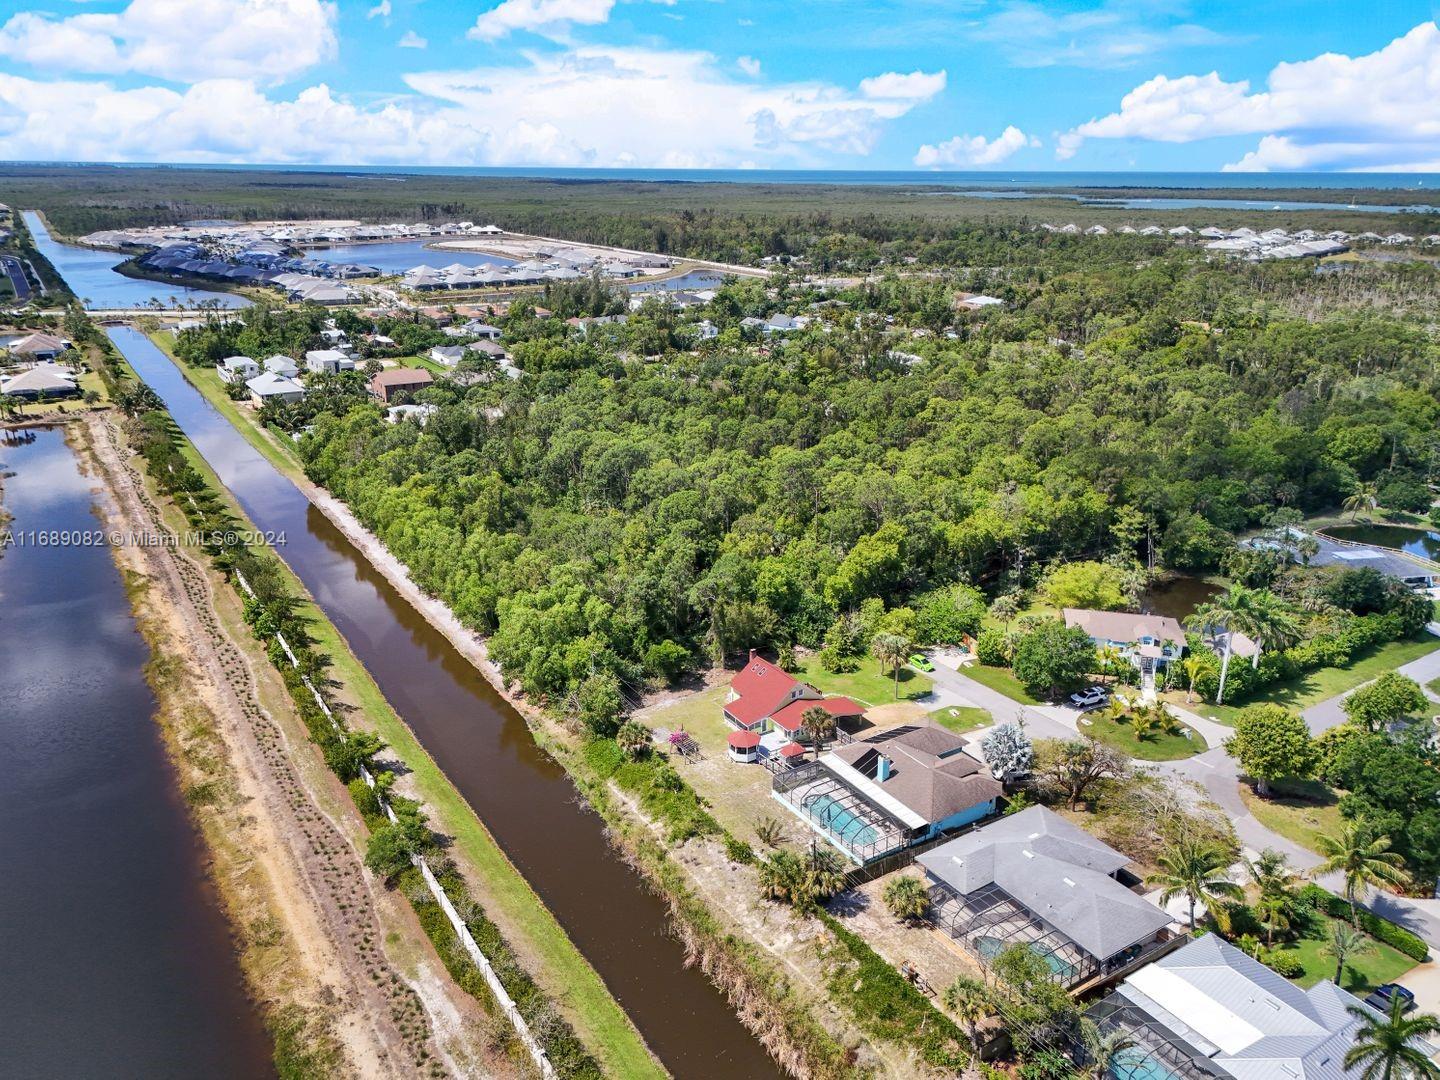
[1034, 879]
[46, 379]
[1210, 1010]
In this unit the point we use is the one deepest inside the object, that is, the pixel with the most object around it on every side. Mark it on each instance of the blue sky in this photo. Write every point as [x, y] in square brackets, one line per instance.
[952, 84]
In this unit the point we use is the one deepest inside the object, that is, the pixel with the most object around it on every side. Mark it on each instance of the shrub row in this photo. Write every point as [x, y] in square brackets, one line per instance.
[1397, 937]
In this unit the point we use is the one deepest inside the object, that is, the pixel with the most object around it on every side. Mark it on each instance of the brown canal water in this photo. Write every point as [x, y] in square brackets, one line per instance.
[115, 956]
[523, 796]
[1178, 597]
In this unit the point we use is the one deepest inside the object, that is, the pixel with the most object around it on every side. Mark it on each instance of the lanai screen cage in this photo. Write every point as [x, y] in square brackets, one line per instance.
[989, 921]
[852, 823]
[1158, 1053]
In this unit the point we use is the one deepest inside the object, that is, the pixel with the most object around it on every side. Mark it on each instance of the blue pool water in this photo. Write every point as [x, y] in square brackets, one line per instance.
[841, 823]
[1133, 1063]
[991, 947]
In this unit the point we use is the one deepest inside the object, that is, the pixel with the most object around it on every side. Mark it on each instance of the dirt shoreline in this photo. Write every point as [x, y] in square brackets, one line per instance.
[339, 966]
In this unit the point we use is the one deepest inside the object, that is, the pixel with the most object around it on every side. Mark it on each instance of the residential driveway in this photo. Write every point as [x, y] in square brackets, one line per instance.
[1004, 709]
[1331, 713]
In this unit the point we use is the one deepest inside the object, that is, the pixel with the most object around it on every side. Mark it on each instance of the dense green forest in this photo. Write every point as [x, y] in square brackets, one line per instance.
[837, 226]
[633, 504]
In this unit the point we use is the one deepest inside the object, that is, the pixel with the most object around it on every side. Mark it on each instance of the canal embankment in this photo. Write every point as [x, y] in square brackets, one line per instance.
[339, 967]
[569, 993]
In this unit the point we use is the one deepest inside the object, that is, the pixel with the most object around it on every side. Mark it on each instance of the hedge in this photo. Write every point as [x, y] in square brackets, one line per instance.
[1396, 936]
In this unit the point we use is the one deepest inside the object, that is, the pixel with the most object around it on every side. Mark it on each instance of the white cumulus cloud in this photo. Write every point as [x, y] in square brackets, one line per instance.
[587, 106]
[749, 65]
[379, 11]
[916, 86]
[974, 149]
[411, 40]
[178, 40]
[551, 18]
[1376, 111]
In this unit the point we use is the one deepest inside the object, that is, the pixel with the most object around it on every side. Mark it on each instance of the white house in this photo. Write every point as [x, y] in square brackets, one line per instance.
[449, 355]
[280, 364]
[419, 413]
[708, 330]
[237, 369]
[328, 361]
[271, 387]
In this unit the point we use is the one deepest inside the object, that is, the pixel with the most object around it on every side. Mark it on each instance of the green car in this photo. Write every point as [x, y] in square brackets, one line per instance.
[921, 661]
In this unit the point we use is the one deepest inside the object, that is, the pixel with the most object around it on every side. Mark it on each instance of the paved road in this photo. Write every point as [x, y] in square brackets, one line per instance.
[1331, 713]
[1216, 772]
[14, 269]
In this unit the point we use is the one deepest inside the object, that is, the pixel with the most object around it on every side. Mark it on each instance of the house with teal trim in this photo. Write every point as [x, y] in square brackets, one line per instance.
[897, 788]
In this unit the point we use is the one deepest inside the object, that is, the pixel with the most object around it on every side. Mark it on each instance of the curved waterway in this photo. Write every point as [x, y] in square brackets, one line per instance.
[115, 956]
[522, 795]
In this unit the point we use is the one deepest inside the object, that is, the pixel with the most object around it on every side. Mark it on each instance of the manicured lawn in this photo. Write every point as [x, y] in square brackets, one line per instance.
[869, 685]
[1299, 810]
[1377, 964]
[1318, 686]
[962, 718]
[1155, 746]
[1000, 680]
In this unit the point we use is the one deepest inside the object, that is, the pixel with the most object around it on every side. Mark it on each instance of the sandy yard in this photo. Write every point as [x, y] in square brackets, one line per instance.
[938, 959]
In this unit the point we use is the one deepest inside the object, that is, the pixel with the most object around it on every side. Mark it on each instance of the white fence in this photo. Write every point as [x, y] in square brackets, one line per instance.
[502, 997]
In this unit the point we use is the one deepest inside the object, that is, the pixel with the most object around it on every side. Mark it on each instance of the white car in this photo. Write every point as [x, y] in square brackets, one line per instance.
[1089, 699]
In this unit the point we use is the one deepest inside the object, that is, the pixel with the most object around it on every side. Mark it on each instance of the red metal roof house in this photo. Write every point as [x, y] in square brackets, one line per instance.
[763, 697]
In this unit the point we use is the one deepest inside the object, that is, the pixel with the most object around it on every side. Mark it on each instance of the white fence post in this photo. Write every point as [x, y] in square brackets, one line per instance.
[497, 989]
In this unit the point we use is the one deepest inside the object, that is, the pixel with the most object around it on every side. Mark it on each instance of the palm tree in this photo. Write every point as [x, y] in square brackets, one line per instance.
[1269, 620]
[1225, 612]
[1193, 666]
[1343, 942]
[1110, 659]
[825, 874]
[817, 725]
[1362, 498]
[907, 898]
[1365, 861]
[1391, 1047]
[1005, 608]
[969, 1001]
[1273, 877]
[1308, 549]
[1101, 1047]
[891, 650]
[1196, 870]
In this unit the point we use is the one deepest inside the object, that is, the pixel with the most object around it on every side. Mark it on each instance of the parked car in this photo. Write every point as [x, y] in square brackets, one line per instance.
[1381, 997]
[1091, 698]
[921, 661]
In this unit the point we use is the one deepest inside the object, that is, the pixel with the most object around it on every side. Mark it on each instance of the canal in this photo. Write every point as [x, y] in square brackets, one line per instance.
[90, 273]
[115, 955]
[483, 745]
[1422, 542]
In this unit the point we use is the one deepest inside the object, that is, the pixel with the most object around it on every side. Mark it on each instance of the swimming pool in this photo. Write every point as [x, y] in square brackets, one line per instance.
[1134, 1063]
[845, 826]
[990, 947]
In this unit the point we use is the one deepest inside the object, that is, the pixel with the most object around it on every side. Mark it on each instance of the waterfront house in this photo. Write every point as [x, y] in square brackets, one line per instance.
[1149, 642]
[237, 369]
[1035, 880]
[897, 788]
[327, 362]
[267, 386]
[1209, 1010]
[47, 380]
[392, 381]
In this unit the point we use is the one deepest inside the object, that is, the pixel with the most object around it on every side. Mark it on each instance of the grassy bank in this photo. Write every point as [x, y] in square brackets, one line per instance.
[558, 967]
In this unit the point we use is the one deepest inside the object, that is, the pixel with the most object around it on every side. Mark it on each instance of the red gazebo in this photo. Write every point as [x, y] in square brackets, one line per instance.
[743, 744]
